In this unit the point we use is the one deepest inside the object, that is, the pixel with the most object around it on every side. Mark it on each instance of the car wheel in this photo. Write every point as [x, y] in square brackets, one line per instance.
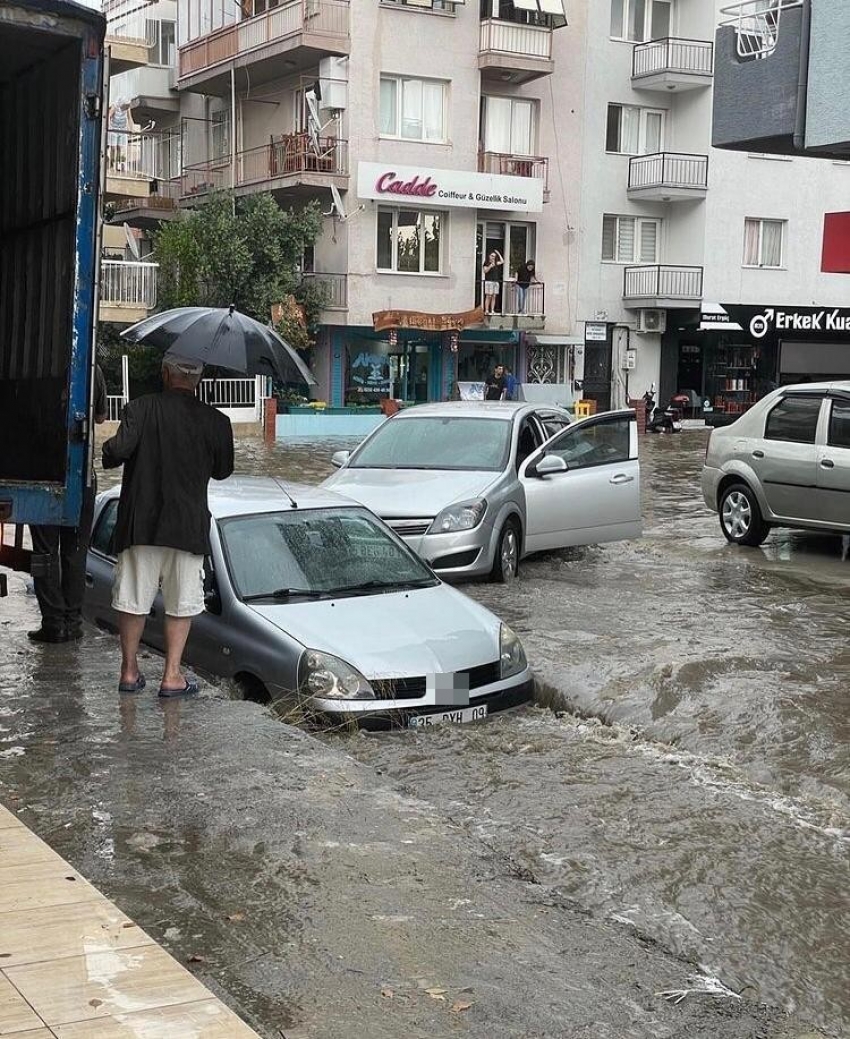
[506, 561]
[740, 516]
[252, 689]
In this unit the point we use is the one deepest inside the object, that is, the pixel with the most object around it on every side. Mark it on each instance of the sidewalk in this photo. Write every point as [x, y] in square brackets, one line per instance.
[75, 967]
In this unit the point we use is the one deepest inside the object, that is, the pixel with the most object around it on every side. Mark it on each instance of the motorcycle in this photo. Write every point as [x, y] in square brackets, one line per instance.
[662, 420]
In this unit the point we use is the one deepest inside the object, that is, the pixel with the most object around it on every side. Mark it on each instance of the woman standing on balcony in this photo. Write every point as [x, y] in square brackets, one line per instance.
[525, 276]
[492, 272]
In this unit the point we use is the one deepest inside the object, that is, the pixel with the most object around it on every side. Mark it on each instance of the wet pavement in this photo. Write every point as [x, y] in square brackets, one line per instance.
[684, 792]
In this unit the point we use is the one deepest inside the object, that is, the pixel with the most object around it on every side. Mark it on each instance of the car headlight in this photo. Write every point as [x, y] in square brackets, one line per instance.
[464, 516]
[327, 677]
[511, 653]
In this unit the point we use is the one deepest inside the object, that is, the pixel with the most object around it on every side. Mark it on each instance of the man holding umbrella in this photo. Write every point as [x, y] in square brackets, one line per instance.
[171, 445]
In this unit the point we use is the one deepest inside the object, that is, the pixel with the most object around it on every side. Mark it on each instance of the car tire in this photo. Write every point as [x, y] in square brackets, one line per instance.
[506, 560]
[252, 689]
[740, 516]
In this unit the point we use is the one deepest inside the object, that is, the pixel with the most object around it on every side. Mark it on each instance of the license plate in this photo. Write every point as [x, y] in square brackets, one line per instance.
[458, 717]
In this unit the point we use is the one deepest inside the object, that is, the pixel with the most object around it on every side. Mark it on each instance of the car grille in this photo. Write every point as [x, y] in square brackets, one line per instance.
[414, 688]
[409, 528]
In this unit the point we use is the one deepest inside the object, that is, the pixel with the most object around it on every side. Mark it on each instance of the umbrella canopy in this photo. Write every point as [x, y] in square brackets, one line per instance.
[223, 337]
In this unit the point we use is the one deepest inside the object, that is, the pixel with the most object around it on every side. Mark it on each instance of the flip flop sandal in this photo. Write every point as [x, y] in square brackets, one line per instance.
[132, 687]
[189, 689]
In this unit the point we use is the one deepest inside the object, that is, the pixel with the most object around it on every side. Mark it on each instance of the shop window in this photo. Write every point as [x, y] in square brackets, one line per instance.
[634, 131]
[629, 239]
[640, 20]
[839, 425]
[794, 419]
[413, 109]
[763, 243]
[409, 241]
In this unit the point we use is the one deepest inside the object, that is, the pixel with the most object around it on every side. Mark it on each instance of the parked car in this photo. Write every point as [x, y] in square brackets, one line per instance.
[473, 487]
[321, 603]
[784, 463]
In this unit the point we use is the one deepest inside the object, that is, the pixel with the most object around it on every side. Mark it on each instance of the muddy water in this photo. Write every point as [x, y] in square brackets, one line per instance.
[698, 786]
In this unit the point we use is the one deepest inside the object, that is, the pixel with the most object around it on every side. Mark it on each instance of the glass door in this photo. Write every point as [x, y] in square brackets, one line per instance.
[490, 238]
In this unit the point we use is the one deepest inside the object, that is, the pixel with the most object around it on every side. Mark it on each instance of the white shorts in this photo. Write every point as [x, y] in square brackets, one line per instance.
[143, 569]
[491, 288]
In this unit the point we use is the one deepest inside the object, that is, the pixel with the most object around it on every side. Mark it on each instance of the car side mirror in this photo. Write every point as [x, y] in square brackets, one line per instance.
[549, 465]
[339, 458]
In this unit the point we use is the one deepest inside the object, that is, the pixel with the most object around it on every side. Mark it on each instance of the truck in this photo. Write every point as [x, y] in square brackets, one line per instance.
[51, 141]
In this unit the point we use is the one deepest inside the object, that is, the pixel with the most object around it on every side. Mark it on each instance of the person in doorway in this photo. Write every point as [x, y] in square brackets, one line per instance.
[492, 272]
[59, 556]
[511, 384]
[525, 276]
[494, 388]
[171, 444]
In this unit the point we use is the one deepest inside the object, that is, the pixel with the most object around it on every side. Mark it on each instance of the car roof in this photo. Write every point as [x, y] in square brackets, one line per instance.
[246, 495]
[494, 409]
[839, 385]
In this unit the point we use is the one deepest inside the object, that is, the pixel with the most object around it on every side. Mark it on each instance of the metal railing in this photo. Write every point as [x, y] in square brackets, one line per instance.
[513, 301]
[335, 286]
[114, 407]
[522, 41]
[660, 281]
[757, 24]
[514, 165]
[687, 57]
[290, 155]
[290, 18]
[128, 283]
[135, 154]
[133, 26]
[668, 170]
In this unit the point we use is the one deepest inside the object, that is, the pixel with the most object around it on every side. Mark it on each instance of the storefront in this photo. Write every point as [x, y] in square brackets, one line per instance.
[729, 355]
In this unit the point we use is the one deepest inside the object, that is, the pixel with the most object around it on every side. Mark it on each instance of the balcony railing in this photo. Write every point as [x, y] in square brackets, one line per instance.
[335, 288]
[290, 18]
[684, 57]
[114, 406]
[513, 300]
[128, 283]
[514, 165]
[291, 155]
[659, 281]
[668, 170]
[137, 155]
[521, 41]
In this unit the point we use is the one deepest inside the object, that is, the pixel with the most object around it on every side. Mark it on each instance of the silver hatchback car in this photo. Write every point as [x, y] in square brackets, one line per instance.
[784, 463]
[472, 487]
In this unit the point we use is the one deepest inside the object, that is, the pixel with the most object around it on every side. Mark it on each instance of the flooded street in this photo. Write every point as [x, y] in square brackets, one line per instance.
[684, 780]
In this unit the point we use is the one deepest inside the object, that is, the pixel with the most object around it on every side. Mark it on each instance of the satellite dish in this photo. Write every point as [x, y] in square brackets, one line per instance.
[132, 244]
[339, 208]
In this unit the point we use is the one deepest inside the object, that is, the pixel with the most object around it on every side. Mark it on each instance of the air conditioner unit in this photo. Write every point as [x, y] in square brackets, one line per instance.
[652, 321]
[333, 83]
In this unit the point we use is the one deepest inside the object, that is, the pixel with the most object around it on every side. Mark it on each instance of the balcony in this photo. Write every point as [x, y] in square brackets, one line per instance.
[672, 65]
[126, 38]
[133, 162]
[508, 165]
[301, 30]
[511, 52]
[668, 177]
[335, 288]
[287, 164]
[517, 310]
[127, 290]
[661, 285]
[149, 211]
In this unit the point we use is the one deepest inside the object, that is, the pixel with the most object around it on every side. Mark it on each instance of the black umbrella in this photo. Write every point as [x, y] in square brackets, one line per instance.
[222, 337]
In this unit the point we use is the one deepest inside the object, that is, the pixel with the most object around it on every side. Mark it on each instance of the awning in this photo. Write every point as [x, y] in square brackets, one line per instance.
[713, 318]
[553, 339]
[554, 8]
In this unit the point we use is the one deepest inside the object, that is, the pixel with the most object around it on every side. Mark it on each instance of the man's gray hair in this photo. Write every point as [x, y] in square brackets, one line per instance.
[188, 366]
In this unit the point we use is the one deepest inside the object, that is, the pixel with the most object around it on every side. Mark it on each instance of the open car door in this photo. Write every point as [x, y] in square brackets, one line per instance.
[582, 487]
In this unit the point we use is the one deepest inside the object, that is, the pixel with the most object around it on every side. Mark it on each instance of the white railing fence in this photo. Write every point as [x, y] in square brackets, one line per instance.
[758, 24]
[114, 406]
[527, 41]
[128, 283]
[242, 399]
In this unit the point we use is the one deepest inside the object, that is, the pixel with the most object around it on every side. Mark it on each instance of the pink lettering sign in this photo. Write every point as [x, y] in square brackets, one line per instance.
[389, 184]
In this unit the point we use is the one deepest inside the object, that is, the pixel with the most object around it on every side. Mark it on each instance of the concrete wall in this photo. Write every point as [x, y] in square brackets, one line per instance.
[828, 113]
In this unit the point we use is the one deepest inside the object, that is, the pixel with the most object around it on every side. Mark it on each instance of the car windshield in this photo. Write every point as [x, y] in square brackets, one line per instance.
[315, 553]
[438, 442]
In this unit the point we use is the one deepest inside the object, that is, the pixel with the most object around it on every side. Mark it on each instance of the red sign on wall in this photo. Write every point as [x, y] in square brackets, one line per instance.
[836, 244]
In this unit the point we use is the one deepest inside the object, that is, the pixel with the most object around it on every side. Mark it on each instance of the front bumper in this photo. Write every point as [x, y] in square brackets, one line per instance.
[394, 714]
[462, 554]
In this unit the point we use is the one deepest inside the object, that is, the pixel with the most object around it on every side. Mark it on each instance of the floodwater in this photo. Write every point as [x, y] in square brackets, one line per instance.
[686, 772]
[695, 784]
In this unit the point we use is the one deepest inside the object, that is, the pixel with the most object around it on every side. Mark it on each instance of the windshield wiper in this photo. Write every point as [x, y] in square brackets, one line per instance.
[382, 586]
[283, 593]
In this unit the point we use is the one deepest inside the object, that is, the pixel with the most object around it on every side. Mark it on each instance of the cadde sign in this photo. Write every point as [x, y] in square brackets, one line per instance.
[388, 182]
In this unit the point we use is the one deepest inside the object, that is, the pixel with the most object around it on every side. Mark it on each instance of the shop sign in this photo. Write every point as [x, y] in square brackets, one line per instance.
[762, 321]
[453, 188]
[595, 332]
[384, 320]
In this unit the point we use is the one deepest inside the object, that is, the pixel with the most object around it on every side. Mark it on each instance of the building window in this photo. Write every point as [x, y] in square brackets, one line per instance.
[424, 5]
[220, 134]
[162, 42]
[508, 125]
[413, 109]
[630, 239]
[641, 20]
[634, 131]
[763, 242]
[410, 240]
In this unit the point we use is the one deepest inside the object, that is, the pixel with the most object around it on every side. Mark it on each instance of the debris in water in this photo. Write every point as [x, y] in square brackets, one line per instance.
[700, 987]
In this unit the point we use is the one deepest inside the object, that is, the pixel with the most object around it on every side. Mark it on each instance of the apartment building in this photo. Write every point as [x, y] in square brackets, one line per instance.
[434, 133]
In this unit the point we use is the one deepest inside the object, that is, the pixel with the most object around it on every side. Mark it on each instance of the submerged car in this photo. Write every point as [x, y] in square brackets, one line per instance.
[473, 487]
[784, 463]
[311, 598]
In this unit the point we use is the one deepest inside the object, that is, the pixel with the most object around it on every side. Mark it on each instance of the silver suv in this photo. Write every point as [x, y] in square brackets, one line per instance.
[785, 463]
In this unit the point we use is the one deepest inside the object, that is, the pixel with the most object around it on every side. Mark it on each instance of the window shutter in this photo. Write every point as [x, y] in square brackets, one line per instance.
[648, 241]
[609, 237]
[626, 245]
